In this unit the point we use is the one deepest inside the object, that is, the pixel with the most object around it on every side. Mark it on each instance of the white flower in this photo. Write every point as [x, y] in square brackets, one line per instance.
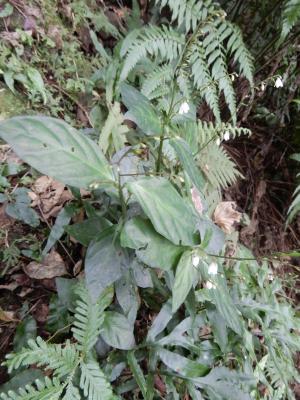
[213, 268]
[195, 261]
[184, 108]
[226, 135]
[278, 83]
[263, 86]
[209, 285]
[218, 142]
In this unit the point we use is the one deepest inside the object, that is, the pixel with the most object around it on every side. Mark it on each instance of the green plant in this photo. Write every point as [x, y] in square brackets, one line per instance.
[65, 361]
[295, 206]
[222, 328]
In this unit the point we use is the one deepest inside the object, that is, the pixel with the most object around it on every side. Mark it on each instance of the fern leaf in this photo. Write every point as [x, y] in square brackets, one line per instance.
[47, 390]
[157, 78]
[153, 41]
[220, 170]
[94, 383]
[60, 359]
[240, 53]
[188, 12]
[72, 393]
[294, 208]
[291, 15]
[203, 80]
[89, 317]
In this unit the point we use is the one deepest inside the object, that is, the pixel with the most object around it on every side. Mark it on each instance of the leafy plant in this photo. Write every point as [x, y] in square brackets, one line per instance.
[66, 360]
[220, 327]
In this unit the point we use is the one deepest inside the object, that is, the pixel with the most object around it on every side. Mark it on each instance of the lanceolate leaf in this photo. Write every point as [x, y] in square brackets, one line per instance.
[56, 149]
[186, 158]
[137, 373]
[169, 213]
[140, 110]
[182, 365]
[186, 276]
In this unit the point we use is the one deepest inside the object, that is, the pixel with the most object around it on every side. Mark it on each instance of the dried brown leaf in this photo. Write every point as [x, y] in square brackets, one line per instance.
[51, 267]
[225, 216]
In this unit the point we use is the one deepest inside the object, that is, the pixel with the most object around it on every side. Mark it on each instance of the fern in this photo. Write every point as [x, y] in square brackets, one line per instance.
[295, 206]
[65, 361]
[47, 390]
[93, 382]
[53, 356]
[188, 12]
[153, 41]
[291, 15]
[156, 79]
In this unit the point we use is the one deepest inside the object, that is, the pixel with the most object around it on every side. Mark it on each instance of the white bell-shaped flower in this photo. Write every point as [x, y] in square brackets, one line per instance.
[184, 108]
[278, 83]
[213, 268]
[226, 135]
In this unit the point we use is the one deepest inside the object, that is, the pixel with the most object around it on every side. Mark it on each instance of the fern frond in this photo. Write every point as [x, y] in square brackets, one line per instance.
[47, 390]
[157, 78]
[60, 359]
[241, 55]
[161, 42]
[94, 383]
[188, 12]
[89, 317]
[208, 131]
[72, 393]
[291, 15]
[203, 80]
[220, 170]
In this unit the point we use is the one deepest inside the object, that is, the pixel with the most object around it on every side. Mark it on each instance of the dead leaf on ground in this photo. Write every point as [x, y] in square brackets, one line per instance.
[225, 216]
[49, 195]
[51, 267]
[7, 316]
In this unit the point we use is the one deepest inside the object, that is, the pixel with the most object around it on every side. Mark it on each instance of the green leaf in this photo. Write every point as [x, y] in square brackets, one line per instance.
[140, 235]
[182, 365]
[185, 156]
[127, 296]
[170, 215]
[117, 331]
[6, 11]
[62, 219]
[25, 331]
[20, 208]
[88, 230]
[186, 276]
[137, 373]
[105, 263]
[56, 149]
[21, 379]
[37, 82]
[161, 321]
[140, 110]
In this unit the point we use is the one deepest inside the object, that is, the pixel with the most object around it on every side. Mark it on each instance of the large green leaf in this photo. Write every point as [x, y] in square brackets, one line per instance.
[117, 331]
[88, 230]
[185, 156]
[140, 110]
[55, 148]
[170, 215]
[182, 365]
[186, 276]
[140, 235]
[105, 263]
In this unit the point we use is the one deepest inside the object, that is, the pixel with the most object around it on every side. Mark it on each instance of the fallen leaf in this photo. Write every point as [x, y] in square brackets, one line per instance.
[225, 216]
[49, 195]
[51, 267]
[7, 316]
